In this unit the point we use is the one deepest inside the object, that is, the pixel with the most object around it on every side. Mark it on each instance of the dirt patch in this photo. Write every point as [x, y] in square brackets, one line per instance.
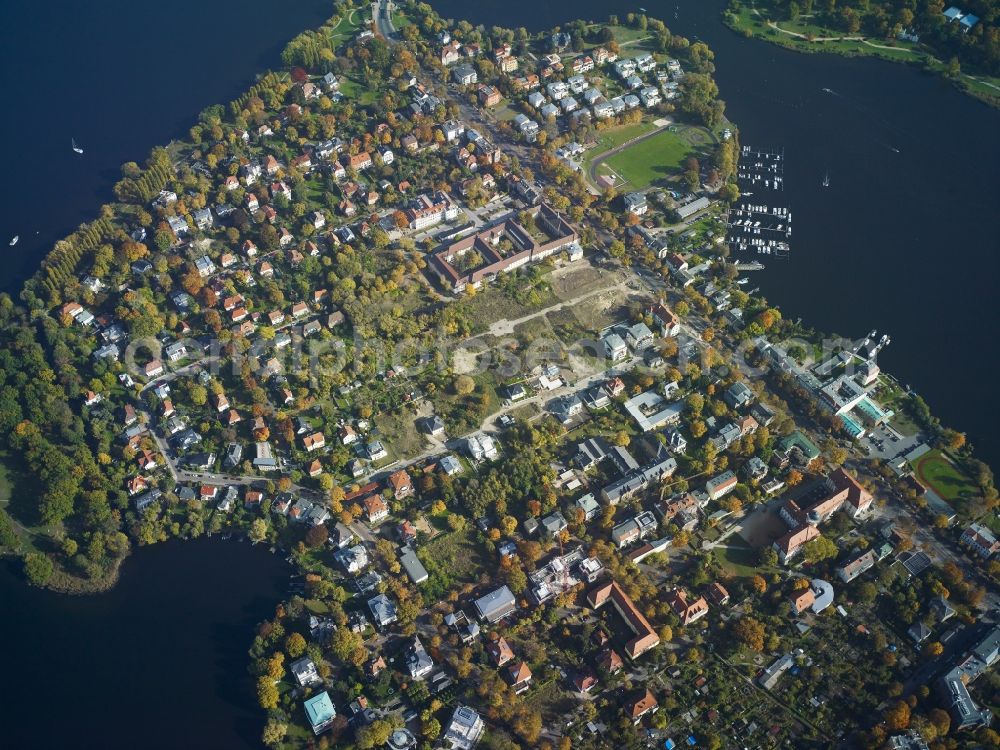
[573, 282]
[598, 312]
[423, 526]
[762, 528]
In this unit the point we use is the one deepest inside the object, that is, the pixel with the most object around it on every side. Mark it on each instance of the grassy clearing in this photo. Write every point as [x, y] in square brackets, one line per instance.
[490, 305]
[399, 429]
[452, 558]
[737, 559]
[357, 91]
[399, 20]
[533, 329]
[936, 471]
[651, 160]
[527, 412]
[346, 29]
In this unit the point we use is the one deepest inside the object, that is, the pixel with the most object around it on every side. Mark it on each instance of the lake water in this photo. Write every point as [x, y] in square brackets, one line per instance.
[160, 661]
[119, 76]
[903, 242]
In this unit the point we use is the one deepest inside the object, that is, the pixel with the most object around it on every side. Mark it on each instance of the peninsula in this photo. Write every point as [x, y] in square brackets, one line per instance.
[454, 319]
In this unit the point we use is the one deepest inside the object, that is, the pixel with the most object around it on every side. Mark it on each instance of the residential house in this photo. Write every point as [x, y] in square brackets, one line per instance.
[402, 486]
[518, 675]
[686, 609]
[802, 600]
[640, 704]
[313, 442]
[738, 395]
[305, 673]
[857, 565]
[412, 565]
[383, 611]
[718, 594]
[418, 662]
[375, 508]
[464, 730]
[721, 485]
[499, 651]
[981, 540]
[320, 712]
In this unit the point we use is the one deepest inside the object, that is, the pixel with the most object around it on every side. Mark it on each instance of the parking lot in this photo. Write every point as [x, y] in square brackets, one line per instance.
[886, 443]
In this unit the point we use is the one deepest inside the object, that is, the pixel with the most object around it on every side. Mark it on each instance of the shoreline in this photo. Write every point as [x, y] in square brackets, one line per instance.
[920, 59]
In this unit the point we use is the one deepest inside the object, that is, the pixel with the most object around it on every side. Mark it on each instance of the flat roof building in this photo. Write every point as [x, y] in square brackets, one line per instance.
[496, 605]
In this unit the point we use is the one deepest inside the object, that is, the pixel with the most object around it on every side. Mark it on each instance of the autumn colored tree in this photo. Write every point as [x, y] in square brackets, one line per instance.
[897, 716]
[267, 693]
[750, 632]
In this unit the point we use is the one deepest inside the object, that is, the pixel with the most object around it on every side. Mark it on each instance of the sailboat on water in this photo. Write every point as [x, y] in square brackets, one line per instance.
[76, 148]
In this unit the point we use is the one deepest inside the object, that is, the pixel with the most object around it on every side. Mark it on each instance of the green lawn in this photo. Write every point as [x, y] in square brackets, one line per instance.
[651, 160]
[357, 91]
[347, 28]
[937, 472]
[452, 558]
[737, 559]
[612, 137]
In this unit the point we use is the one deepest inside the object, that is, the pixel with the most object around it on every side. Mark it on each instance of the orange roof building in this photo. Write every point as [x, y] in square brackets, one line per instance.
[686, 609]
[645, 637]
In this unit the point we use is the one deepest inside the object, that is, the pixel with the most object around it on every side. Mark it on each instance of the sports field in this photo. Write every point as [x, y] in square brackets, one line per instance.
[655, 158]
[936, 471]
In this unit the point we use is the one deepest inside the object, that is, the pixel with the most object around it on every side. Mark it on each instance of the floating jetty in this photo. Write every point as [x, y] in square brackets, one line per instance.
[761, 221]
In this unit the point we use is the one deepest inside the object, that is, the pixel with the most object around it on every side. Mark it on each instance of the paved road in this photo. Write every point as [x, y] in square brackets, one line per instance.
[383, 20]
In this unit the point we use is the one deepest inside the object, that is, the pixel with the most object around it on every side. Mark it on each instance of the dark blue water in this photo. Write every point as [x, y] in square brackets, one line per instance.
[159, 662]
[903, 240]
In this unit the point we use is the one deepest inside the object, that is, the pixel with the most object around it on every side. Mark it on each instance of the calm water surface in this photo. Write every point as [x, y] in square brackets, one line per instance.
[160, 661]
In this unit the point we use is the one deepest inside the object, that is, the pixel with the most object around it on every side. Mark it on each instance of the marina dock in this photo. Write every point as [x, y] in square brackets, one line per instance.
[761, 221]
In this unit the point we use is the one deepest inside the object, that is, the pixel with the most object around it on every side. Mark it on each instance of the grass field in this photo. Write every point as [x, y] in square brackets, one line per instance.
[937, 472]
[400, 431]
[357, 91]
[347, 28]
[737, 559]
[651, 160]
[614, 137]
